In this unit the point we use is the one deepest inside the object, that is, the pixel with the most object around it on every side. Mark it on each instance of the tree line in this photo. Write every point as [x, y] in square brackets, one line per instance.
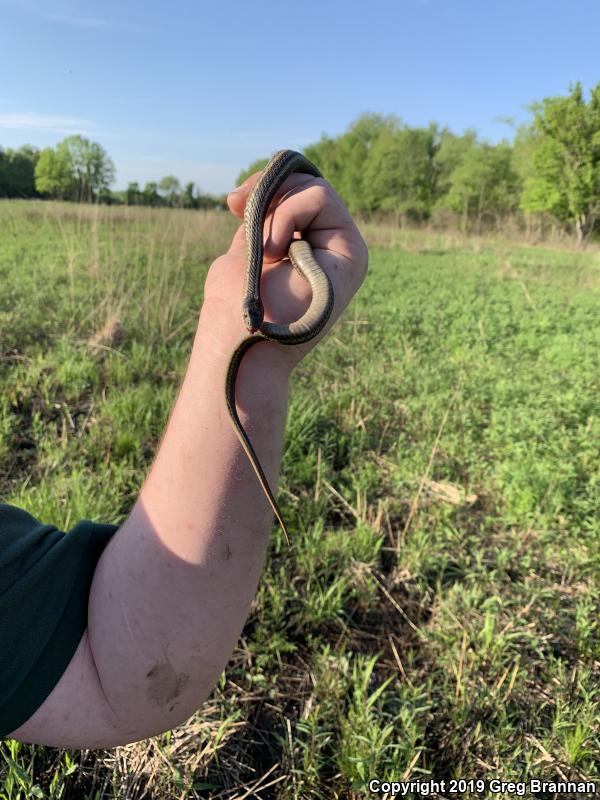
[548, 173]
[80, 170]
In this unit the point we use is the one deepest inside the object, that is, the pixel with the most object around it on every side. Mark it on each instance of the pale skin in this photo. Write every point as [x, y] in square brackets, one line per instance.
[173, 588]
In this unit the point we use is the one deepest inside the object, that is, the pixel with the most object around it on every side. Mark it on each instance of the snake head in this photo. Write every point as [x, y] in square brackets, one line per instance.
[253, 314]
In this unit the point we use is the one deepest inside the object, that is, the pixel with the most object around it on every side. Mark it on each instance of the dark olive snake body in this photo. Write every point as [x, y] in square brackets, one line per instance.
[281, 165]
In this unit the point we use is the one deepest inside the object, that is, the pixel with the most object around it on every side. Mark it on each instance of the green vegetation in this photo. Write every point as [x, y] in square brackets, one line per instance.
[256, 166]
[77, 170]
[437, 615]
[550, 173]
[168, 193]
[17, 172]
[548, 177]
[566, 158]
[80, 170]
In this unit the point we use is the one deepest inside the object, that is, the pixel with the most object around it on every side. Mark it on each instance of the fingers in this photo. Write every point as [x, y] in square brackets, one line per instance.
[310, 205]
[306, 204]
[236, 200]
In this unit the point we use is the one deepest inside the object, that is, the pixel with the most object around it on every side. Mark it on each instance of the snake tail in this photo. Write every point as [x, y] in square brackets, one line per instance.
[230, 382]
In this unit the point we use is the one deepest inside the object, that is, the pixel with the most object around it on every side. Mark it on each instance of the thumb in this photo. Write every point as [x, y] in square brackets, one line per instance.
[236, 200]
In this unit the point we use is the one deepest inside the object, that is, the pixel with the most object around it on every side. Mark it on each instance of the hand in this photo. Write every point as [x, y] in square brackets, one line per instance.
[303, 205]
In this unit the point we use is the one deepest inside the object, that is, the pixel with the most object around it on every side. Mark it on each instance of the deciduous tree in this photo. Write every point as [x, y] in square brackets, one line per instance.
[53, 175]
[77, 170]
[170, 187]
[400, 173]
[566, 181]
[251, 169]
[483, 185]
[17, 172]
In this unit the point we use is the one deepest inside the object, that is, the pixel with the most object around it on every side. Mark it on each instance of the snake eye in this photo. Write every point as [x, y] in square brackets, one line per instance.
[253, 314]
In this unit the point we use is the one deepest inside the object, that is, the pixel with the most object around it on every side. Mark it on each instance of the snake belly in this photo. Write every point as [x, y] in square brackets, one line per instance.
[300, 253]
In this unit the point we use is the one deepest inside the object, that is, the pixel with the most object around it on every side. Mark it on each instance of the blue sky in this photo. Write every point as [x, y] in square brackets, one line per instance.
[201, 89]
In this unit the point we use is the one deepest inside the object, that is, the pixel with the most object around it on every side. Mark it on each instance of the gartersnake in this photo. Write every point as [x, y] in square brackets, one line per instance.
[282, 164]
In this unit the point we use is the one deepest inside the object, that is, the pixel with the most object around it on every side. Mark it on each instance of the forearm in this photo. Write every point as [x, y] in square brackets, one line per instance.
[174, 587]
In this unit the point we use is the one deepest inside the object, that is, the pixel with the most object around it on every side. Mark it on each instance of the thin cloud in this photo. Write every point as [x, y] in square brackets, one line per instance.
[79, 22]
[92, 23]
[28, 121]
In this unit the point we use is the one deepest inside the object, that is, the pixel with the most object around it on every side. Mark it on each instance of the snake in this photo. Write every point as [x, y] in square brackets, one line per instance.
[282, 164]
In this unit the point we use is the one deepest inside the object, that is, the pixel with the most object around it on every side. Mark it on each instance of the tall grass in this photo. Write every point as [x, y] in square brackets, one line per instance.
[437, 615]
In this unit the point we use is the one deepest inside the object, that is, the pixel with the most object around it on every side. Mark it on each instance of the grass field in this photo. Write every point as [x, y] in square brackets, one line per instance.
[438, 614]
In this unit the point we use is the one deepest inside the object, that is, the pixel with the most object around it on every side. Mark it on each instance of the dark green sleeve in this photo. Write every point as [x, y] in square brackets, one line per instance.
[45, 580]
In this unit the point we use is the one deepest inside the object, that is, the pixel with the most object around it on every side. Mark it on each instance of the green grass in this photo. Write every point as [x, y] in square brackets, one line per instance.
[438, 613]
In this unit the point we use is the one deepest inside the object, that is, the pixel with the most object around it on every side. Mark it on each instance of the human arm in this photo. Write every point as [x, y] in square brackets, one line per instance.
[173, 587]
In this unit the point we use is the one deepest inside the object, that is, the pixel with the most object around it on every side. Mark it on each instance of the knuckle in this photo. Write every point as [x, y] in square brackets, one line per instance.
[320, 191]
